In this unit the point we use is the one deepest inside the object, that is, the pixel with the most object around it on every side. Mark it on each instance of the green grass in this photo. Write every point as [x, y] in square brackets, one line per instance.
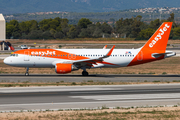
[156, 81]
[150, 73]
[164, 73]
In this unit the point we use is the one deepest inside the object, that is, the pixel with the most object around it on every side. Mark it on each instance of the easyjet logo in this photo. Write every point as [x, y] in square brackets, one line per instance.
[43, 52]
[159, 35]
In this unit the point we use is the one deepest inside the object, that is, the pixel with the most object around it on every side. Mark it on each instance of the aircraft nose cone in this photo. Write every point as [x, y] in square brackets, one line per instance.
[6, 61]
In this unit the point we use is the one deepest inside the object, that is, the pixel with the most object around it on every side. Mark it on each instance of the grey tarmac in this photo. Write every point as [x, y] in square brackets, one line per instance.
[79, 97]
[94, 78]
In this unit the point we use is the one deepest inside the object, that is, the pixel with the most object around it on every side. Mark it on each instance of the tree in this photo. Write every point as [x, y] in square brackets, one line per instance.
[145, 34]
[155, 24]
[23, 27]
[64, 23]
[53, 24]
[15, 23]
[135, 27]
[58, 19]
[176, 32]
[72, 32]
[35, 34]
[44, 24]
[27, 26]
[171, 18]
[12, 29]
[98, 24]
[59, 35]
[47, 35]
[16, 35]
[9, 30]
[106, 28]
[85, 33]
[83, 22]
[33, 25]
[97, 32]
[124, 26]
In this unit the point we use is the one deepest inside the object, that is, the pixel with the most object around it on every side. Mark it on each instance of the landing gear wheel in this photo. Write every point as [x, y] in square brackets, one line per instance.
[26, 74]
[85, 73]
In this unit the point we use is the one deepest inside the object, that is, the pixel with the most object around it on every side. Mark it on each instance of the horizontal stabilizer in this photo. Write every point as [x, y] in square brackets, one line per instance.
[167, 54]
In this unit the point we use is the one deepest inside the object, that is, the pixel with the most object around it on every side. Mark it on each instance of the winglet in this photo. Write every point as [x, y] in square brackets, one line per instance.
[105, 47]
[110, 51]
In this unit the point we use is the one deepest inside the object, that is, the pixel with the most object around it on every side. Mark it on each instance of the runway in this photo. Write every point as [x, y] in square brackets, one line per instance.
[94, 78]
[79, 97]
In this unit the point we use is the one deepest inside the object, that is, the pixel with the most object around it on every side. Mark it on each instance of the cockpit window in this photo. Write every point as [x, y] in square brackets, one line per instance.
[14, 55]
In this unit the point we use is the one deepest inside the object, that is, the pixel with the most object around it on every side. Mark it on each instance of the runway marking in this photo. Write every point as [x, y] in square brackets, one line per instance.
[81, 90]
[119, 91]
[129, 97]
[52, 90]
[78, 103]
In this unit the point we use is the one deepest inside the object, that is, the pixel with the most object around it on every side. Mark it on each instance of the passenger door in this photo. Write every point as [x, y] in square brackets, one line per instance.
[26, 56]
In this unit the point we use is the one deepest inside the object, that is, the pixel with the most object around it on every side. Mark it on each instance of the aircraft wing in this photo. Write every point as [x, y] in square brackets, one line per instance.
[90, 62]
[86, 62]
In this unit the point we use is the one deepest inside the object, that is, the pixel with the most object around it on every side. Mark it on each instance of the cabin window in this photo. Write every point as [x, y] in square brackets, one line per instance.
[14, 55]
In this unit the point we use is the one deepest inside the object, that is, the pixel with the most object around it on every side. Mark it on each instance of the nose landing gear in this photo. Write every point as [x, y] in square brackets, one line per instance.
[27, 72]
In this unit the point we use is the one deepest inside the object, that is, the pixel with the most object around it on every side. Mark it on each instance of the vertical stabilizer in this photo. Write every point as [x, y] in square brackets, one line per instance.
[155, 45]
[159, 39]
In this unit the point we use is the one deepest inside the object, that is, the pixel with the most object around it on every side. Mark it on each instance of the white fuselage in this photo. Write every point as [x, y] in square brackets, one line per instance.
[118, 58]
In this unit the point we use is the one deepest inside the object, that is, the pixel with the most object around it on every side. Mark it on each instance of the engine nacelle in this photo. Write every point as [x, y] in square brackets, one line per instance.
[62, 68]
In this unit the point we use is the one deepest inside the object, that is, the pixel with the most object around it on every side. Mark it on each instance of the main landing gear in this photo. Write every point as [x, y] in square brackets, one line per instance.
[85, 73]
[27, 72]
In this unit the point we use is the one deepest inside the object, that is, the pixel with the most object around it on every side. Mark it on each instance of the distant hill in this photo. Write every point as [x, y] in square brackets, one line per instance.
[28, 6]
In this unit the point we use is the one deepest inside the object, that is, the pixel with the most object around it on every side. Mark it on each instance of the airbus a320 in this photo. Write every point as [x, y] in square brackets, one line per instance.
[68, 60]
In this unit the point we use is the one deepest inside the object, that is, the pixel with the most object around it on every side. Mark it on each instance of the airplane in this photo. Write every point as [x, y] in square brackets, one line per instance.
[68, 60]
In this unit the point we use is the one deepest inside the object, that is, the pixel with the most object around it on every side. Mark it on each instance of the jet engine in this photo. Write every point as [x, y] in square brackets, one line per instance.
[62, 68]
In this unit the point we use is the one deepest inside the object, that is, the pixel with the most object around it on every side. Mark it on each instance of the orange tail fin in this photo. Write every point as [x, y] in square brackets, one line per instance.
[156, 44]
[159, 39]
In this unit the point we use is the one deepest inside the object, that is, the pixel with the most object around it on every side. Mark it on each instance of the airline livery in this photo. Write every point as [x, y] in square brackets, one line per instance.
[67, 60]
